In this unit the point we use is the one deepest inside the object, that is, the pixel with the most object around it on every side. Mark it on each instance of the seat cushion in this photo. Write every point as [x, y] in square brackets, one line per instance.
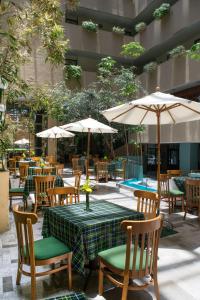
[176, 193]
[16, 190]
[116, 257]
[119, 170]
[49, 247]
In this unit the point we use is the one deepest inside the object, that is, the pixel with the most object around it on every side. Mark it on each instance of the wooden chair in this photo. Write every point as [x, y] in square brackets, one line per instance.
[62, 195]
[23, 172]
[77, 185]
[121, 172]
[192, 195]
[15, 192]
[91, 169]
[47, 171]
[12, 166]
[37, 171]
[75, 165]
[102, 170]
[134, 260]
[59, 169]
[51, 159]
[147, 203]
[42, 184]
[42, 252]
[174, 173]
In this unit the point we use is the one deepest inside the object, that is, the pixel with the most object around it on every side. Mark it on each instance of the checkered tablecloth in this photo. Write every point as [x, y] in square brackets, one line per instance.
[87, 233]
[30, 184]
[72, 296]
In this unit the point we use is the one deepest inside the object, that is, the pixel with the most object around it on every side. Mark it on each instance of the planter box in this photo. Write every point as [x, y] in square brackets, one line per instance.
[4, 201]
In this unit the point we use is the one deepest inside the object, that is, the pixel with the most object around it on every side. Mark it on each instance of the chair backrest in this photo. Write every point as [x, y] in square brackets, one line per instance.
[193, 193]
[50, 158]
[47, 170]
[147, 203]
[59, 169]
[23, 223]
[77, 180]
[23, 171]
[164, 185]
[37, 171]
[144, 235]
[62, 195]
[102, 166]
[75, 163]
[124, 162]
[42, 184]
[174, 173]
[12, 164]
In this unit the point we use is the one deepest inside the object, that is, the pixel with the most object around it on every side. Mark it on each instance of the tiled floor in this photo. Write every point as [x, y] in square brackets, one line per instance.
[178, 265]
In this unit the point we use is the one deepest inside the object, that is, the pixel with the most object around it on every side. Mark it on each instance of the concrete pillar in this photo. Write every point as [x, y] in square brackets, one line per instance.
[4, 201]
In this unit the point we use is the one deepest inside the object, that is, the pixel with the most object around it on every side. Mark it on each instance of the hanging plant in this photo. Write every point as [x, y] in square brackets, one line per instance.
[161, 11]
[140, 27]
[90, 26]
[133, 49]
[72, 72]
[177, 52]
[106, 65]
[118, 30]
[194, 52]
[150, 67]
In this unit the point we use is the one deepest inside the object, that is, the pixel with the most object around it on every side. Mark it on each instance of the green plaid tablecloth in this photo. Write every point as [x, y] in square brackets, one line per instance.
[30, 184]
[72, 296]
[87, 233]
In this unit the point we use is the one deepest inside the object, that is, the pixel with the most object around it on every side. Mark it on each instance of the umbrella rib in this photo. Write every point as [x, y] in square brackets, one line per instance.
[144, 116]
[123, 113]
[192, 109]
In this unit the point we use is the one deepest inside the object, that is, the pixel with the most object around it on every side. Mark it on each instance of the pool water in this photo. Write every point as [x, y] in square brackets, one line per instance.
[144, 184]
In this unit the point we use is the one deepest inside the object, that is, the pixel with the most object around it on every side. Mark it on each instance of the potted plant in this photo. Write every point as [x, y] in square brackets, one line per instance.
[194, 52]
[118, 30]
[150, 67]
[133, 49]
[140, 27]
[177, 52]
[90, 26]
[87, 189]
[161, 11]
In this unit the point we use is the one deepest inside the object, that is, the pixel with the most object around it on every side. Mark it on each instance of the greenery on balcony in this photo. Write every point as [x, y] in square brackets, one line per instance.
[106, 65]
[72, 72]
[194, 52]
[150, 67]
[177, 52]
[89, 26]
[118, 30]
[161, 11]
[133, 49]
[140, 27]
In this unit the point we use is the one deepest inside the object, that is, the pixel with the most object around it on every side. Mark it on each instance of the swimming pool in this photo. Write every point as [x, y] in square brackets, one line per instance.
[144, 184]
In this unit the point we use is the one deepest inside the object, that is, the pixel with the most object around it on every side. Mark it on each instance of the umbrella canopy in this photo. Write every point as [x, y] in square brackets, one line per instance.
[55, 133]
[89, 125]
[21, 142]
[155, 109]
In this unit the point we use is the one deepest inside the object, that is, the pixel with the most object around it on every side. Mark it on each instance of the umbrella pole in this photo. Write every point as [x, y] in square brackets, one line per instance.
[158, 154]
[88, 153]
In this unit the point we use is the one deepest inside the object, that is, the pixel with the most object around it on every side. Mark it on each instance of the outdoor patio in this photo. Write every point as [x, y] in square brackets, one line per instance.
[178, 264]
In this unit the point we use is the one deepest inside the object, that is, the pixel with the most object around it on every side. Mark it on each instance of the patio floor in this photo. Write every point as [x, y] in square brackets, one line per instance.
[178, 265]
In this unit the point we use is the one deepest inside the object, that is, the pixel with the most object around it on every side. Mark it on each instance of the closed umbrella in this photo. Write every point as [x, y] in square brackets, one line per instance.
[89, 125]
[155, 109]
[55, 133]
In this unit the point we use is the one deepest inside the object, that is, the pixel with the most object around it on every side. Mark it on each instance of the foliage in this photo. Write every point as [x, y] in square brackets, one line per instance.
[140, 27]
[194, 52]
[133, 49]
[87, 188]
[161, 11]
[150, 67]
[72, 72]
[106, 65]
[89, 26]
[178, 51]
[118, 30]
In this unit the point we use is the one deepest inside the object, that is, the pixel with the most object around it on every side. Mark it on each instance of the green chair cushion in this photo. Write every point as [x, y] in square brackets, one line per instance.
[16, 190]
[176, 193]
[116, 257]
[49, 247]
[119, 170]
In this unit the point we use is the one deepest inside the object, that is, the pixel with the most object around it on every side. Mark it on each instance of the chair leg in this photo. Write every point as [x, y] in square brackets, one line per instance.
[69, 272]
[182, 201]
[100, 279]
[33, 286]
[157, 293]
[10, 207]
[125, 287]
[19, 273]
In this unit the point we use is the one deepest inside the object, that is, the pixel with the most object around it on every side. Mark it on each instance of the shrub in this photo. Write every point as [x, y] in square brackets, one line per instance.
[140, 27]
[118, 30]
[194, 52]
[178, 51]
[161, 11]
[133, 49]
[150, 67]
[89, 26]
[106, 65]
[72, 72]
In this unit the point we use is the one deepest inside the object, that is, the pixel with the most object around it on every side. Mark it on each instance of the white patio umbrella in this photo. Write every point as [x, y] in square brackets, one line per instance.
[22, 142]
[89, 125]
[54, 133]
[155, 109]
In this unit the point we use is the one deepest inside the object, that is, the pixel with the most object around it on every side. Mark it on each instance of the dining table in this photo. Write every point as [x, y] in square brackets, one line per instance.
[87, 232]
[31, 170]
[180, 180]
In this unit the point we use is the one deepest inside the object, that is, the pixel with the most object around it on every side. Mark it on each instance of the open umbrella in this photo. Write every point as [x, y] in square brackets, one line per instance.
[89, 125]
[54, 133]
[155, 109]
[21, 142]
